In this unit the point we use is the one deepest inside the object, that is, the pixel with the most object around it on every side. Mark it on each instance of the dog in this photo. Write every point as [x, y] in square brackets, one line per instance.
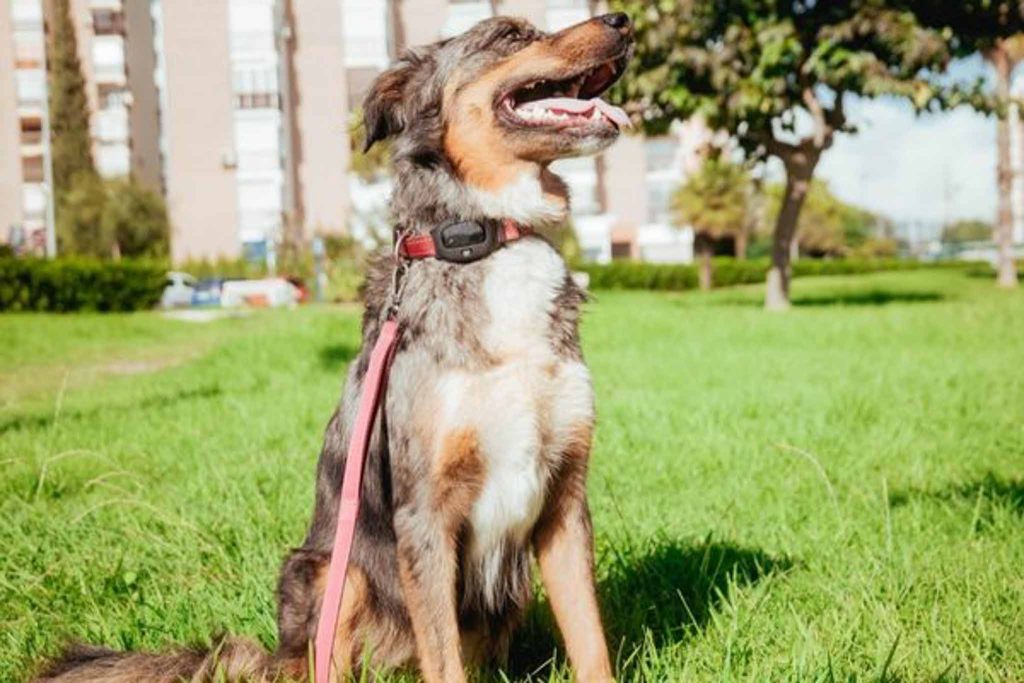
[480, 458]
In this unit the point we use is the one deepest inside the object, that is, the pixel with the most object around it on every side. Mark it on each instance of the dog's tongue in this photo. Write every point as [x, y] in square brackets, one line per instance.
[572, 105]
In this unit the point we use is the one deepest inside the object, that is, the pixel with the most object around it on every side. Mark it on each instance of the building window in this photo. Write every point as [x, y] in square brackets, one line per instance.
[464, 14]
[256, 88]
[622, 250]
[31, 131]
[32, 169]
[106, 22]
[365, 23]
[663, 177]
[660, 153]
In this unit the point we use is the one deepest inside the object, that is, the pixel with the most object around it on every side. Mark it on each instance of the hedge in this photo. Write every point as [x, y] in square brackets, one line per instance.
[728, 272]
[63, 286]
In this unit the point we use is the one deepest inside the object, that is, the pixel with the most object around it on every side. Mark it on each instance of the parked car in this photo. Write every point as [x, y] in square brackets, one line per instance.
[178, 290]
[300, 285]
[208, 292]
[266, 293]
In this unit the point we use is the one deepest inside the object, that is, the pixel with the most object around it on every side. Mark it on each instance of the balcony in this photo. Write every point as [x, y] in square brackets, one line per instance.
[111, 125]
[108, 60]
[30, 85]
[113, 160]
[32, 169]
[27, 14]
[33, 199]
[32, 143]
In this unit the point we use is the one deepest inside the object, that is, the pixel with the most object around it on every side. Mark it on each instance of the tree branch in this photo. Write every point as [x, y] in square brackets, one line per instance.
[836, 116]
[821, 127]
[777, 148]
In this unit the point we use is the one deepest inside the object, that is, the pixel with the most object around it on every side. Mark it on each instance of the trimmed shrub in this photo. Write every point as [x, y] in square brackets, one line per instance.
[730, 272]
[64, 286]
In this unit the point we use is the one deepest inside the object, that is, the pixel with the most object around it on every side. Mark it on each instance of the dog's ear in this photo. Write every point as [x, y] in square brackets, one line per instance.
[385, 106]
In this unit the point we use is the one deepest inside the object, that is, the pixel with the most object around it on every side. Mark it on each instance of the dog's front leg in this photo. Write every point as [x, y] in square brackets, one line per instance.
[564, 544]
[426, 562]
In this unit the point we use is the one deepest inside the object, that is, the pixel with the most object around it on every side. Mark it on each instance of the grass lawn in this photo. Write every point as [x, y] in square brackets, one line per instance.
[832, 494]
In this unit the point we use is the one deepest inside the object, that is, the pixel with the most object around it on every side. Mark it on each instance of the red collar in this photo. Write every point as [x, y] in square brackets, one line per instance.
[462, 241]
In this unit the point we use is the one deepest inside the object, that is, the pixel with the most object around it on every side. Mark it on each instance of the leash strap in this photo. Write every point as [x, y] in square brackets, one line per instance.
[348, 508]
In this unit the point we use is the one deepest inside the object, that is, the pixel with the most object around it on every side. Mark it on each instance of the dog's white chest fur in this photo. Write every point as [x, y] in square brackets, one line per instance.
[523, 410]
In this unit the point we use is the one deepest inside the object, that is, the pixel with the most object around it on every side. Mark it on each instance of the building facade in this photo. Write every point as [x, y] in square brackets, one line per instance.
[238, 112]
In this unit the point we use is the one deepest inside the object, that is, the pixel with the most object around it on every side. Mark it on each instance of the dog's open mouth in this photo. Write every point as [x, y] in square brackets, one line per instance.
[570, 103]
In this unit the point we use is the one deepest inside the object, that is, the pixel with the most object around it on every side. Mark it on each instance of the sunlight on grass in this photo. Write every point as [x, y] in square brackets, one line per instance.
[831, 494]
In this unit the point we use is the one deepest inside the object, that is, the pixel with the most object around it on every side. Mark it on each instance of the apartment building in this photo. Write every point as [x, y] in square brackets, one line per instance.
[100, 27]
[237, 110]
[24, 147]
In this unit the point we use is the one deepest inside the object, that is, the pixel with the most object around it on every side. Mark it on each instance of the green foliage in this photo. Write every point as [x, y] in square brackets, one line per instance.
[751, 64]
[369, 165]
[968, 231]
[136, 219]
[80, 224]
[970, 26]
[829, 226]
[64, 286]
[729, 272]
[109, 219]
[71, 142]
[715, 201]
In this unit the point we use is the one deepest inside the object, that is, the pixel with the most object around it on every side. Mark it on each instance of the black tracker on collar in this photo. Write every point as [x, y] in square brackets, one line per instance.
[465, 241]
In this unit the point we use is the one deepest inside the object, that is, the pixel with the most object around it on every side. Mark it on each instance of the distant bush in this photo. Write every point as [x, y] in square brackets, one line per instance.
[730, 272]
[111, 219]
[64, 286]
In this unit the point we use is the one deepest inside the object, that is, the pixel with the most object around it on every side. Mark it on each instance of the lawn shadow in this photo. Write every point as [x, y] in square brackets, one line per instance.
[852, 297]
[47, 419]
[660, 592]
[992, 488]
[335, 356]
[873, 297]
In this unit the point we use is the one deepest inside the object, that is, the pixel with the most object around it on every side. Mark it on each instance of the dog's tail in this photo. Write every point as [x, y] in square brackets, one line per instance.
[230, 660]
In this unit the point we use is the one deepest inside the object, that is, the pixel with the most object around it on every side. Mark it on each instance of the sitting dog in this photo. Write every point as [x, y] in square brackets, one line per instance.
[481, 453]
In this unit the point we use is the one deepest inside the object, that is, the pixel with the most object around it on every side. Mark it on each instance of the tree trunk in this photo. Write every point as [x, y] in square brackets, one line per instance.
[705, 251]
[740, 246]
[799, 171]
[1007, 269]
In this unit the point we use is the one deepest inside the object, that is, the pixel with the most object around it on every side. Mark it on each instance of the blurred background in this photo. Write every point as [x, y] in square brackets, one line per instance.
[227, 133]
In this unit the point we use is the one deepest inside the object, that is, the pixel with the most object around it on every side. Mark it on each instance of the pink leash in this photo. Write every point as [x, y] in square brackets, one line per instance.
[348, 509]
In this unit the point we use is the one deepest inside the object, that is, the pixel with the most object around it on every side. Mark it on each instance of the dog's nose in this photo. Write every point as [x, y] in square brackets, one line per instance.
[617, 20]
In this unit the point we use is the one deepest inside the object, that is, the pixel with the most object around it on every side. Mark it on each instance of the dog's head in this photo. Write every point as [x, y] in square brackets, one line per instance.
[501, 96]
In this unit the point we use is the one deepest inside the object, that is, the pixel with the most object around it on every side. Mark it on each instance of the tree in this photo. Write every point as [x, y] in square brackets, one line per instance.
[71, 143]
[112, 219]
[775, 74]
[715, 201]
[80, 226]
[991, 28]
[828, 226]
[135, 221]
[967, 231]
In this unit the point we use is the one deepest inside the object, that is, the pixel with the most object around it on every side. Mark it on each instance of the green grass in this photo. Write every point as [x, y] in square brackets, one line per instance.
[831, 494]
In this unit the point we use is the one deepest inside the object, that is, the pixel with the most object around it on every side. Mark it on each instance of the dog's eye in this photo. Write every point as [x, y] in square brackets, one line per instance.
[513, 34]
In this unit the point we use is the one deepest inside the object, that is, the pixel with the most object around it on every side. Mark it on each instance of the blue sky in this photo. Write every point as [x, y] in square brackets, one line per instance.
[931, 168]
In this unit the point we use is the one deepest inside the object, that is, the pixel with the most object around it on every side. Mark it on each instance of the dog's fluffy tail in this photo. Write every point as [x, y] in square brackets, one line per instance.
[230, 660]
